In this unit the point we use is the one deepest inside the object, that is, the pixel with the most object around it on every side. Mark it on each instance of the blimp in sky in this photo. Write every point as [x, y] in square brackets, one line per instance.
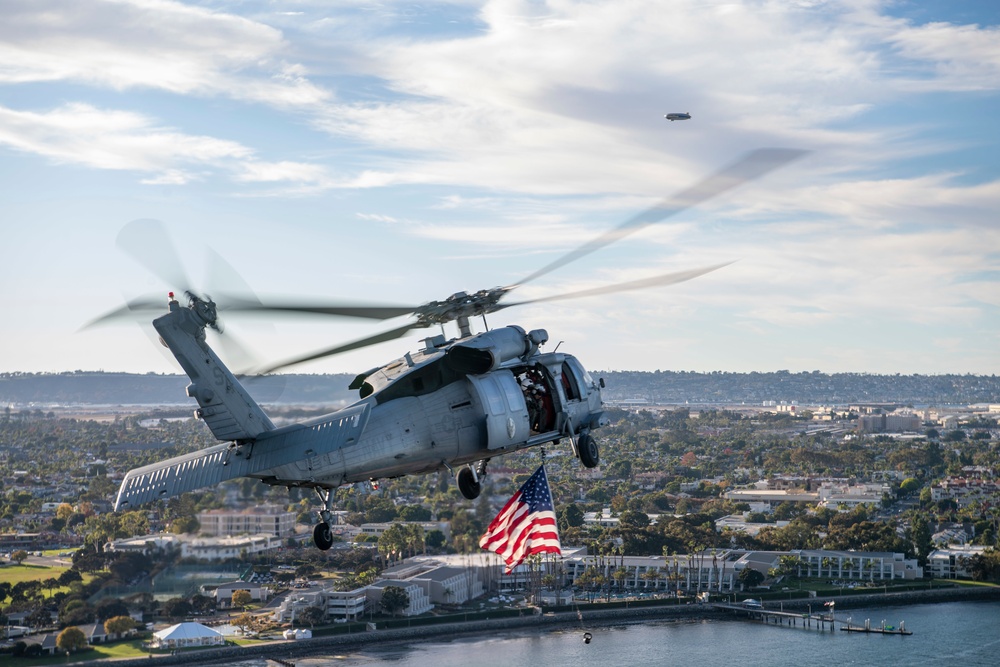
[678, 116]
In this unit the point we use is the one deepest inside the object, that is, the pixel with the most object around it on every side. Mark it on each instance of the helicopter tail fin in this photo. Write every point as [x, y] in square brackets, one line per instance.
[224, 403]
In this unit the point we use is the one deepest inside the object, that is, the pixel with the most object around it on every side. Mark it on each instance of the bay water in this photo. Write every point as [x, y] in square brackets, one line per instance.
[965, 634]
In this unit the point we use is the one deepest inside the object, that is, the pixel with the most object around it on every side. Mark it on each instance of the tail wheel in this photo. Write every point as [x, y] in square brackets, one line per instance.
[323, 536]
[467, 483]
[587, 446]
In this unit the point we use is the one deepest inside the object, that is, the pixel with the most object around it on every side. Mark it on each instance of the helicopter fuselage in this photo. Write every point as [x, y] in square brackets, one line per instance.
[451, 404]
[430, 417]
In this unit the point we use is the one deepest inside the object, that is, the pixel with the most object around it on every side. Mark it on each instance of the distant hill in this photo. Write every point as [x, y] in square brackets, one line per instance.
[152, 389]
[807, 388]
[656, 387]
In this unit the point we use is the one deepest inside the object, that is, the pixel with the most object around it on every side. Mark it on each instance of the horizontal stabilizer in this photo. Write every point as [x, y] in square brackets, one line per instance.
[181, 474]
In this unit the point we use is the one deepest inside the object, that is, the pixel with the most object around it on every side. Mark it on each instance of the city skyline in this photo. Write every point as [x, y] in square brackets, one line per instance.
[398, 153]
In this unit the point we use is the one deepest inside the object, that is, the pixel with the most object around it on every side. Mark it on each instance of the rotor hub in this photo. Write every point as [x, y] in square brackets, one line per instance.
[460, 305]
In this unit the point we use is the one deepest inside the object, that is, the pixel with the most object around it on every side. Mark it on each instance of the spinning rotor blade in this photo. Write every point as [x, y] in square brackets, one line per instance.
[749, 167]
[147, 242]
[347, 347]
[224, 274]
[655, 281]
[371, 312]
[132, 307]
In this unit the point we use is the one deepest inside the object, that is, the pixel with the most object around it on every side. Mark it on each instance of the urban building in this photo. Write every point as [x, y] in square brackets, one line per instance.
[259, 520]
[443, 584]
[349, 605]
[856, 565]
[201, 548]
[888, 423]
[966, 491]
[772, 497]
[420, 602]
[953, 562]
[739, 524]
[223, 593]
[850, 496]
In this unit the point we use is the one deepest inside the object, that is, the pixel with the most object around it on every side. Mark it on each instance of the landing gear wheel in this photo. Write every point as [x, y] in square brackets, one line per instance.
[323, 536]
[587, 447]
[468, 484]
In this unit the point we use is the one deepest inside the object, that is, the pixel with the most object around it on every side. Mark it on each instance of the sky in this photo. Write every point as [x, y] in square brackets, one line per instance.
[399, 152]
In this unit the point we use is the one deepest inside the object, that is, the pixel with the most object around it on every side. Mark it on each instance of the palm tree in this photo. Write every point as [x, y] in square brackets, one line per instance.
[620, 575]
[652, 576]
[722, 574]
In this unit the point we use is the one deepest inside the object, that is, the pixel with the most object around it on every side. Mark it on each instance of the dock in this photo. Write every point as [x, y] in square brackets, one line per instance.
[810, 620]
[882, 629]
[791, 619]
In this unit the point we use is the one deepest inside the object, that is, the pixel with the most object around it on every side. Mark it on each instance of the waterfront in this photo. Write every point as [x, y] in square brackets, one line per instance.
[962, 633]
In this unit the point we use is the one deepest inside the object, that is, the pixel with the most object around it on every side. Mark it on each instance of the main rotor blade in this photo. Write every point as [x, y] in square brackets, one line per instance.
[347, 347]
[372, 312]
[655, 281]
[751, 166]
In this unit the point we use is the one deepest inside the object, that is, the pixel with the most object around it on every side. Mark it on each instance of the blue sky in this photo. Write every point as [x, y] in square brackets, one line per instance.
[399, 152]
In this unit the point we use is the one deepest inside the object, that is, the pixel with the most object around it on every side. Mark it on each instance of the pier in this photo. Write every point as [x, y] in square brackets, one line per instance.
[809, 620]
[791, 619]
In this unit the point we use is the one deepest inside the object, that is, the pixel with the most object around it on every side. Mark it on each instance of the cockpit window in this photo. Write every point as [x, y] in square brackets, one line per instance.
[581, 373]
[570, 385]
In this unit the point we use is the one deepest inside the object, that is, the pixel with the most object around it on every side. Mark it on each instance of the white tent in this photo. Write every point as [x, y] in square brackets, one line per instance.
[187, 634]
[298, 633]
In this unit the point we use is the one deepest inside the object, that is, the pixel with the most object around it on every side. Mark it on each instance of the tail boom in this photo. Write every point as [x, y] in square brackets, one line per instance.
[224, 404]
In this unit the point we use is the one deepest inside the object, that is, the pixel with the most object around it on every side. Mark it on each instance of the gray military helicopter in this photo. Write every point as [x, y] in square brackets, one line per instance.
[452, 405]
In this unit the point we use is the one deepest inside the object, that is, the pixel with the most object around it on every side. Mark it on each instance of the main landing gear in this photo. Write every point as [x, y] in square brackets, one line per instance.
[322, 533]
[587, 448]
[469, 479]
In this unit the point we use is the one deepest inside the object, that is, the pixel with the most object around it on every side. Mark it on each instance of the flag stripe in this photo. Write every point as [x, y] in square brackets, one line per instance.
[525, 525]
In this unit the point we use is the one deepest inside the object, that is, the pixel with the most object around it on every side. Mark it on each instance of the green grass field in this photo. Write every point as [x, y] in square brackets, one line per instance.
[126, 649]
[17, 573]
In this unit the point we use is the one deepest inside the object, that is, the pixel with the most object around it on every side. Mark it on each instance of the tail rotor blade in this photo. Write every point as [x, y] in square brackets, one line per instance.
[147, 242]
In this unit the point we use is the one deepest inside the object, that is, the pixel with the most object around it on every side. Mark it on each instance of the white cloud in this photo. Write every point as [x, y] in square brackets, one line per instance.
[156, 44]
[567, 97]
[962, 57]
[110, 139]
[375, 217]
[82, 134]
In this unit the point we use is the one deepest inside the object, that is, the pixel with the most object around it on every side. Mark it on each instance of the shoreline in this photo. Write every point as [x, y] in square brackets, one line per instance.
[317, 646]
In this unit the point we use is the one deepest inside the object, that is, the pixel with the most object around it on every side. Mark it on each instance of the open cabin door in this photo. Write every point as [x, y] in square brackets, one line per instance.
[502, 402]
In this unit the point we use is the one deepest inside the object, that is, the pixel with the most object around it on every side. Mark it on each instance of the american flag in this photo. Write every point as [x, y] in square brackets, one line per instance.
[526, 525]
